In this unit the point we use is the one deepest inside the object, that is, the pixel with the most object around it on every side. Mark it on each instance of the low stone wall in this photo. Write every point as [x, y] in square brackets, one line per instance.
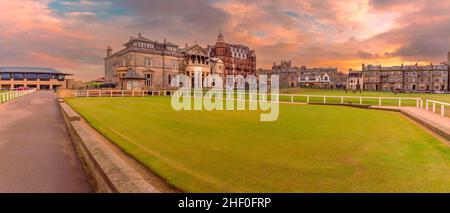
[107, 172]
[65, 93]
[433, 127]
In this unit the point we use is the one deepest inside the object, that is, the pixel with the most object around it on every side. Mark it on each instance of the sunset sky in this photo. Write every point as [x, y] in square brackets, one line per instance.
[73, 35]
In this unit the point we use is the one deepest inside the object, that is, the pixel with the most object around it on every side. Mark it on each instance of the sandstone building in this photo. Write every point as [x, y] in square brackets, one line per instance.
[238, 59]
[288, 75]
[146, 64]
[355, 80]
[411, 78]
[305, 77]
[318, 77]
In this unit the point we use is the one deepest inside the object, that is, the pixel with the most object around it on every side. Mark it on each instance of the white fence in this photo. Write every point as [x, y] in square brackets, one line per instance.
[120, 93]
[380, 101]
[284, 98]
[433, 104]
[8, 96]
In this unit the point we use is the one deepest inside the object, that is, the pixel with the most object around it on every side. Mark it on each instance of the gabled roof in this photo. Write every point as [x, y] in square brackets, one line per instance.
[37, 70]
[190, 49]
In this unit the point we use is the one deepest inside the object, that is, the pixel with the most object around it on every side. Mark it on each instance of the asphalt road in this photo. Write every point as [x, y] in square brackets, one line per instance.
[36, 154]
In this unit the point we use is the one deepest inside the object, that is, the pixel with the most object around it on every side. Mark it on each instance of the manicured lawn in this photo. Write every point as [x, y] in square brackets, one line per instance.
[309, 149]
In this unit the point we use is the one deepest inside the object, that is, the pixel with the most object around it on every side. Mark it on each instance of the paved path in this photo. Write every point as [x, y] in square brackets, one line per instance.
[434, 121]
[36, 154]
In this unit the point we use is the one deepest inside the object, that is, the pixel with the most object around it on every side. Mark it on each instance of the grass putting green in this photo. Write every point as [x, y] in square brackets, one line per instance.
[309, 149]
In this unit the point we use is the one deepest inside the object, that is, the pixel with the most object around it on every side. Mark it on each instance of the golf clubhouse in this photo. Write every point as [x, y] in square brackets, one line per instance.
[31, 77]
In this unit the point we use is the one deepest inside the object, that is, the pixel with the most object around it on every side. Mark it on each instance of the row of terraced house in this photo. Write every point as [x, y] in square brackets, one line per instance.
[411, 78]
[402, 78]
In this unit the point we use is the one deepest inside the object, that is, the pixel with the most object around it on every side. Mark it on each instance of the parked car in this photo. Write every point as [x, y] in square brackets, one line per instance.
[22, 88]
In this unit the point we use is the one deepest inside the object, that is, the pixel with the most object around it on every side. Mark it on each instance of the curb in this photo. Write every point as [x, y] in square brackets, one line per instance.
[107, 172]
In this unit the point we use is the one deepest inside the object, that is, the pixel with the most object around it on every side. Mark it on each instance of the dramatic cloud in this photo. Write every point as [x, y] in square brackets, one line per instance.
[72, 35]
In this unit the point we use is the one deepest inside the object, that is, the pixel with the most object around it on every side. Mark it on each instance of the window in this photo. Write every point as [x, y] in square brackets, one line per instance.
[133, 85]
[148, 80]
[174, 65]
[170, 79]
[31, 76]
[6, 76]
[18, 76]
[44, 77]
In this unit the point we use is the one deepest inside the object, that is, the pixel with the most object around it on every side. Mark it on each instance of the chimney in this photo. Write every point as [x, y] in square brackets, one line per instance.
[448, 58]
[108, 51]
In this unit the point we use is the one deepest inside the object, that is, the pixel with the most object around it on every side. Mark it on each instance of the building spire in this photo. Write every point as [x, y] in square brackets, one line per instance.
[220, 36]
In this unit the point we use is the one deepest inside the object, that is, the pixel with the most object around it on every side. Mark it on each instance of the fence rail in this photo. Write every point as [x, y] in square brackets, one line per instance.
[433, 104]
[8, 96]
[289, 98]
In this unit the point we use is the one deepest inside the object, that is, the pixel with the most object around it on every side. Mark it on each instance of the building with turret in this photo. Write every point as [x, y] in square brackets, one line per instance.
[145, 64]
[238, 59]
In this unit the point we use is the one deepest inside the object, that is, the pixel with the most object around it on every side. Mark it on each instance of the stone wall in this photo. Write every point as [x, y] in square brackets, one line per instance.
[107, 172]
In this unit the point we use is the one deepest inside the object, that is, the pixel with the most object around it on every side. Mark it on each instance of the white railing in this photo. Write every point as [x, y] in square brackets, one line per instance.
[287, 98]
[325, 99]
[433, 104]
[8, 96]
[120, 93]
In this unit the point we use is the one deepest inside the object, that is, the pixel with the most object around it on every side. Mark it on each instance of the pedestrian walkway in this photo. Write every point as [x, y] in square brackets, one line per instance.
[436, 122]
[36, 154]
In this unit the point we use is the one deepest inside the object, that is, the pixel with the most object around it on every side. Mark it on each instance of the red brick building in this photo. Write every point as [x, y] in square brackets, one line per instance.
[238, 59]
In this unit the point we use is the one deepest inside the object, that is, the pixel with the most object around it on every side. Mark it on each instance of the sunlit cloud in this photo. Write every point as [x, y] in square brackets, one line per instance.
[72, 35]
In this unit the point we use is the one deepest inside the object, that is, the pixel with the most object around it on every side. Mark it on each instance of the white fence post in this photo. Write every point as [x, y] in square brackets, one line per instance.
[442, 109]
[324, 99]
[379, 101]
[399, 102]
[434, 107]
[342, 100]
[307, 99]
[292, 99]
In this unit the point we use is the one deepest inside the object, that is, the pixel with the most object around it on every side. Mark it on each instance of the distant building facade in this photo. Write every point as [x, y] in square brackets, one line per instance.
[146, 64]
[411, 78]
[288, 75]
[238, 59]
[42, 78]
[318, 77]
[355, 80]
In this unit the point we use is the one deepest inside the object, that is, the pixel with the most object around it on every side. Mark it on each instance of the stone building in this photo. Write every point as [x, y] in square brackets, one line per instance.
[355, 80]
[412, 78]
[146, 64]
[288, 75]
[318, 77]
[340, 81]
[238, 59]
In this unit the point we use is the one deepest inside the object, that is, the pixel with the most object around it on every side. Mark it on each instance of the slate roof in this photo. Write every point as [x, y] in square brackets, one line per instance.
[38, 70]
